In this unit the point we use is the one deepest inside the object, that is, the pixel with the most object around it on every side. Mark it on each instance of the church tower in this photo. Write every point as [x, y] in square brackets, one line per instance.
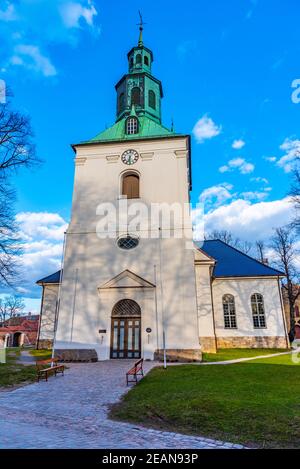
[139, 88]
[128, 284]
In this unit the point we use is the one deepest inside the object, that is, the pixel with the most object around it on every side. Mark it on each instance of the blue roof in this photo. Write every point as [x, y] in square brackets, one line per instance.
[230, 262]
[53, 278]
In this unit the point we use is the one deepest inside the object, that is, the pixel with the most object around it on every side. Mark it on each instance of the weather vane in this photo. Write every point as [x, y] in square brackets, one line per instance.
[141, 24]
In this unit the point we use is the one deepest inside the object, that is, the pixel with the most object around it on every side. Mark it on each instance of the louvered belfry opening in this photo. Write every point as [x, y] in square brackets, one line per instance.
[131, 186]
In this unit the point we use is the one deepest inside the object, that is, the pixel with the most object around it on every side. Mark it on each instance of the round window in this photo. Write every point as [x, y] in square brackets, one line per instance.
[128, 242]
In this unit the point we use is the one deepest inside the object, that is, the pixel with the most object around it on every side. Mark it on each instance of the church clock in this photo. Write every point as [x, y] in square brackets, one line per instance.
[130, 157]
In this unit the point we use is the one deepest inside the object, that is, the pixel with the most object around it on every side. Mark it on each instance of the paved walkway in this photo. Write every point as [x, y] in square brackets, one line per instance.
[246, 359]
[71, 412]
[26, 359]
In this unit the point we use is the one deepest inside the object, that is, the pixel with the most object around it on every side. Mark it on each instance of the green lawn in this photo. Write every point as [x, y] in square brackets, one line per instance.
[12, 373]
[234, 353]
[256, 403]
[41, 354]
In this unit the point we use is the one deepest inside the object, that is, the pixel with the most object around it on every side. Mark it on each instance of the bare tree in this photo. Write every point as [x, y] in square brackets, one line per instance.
[284, 247]
[16, 150]
[224, 235]
[9, 240]
[260, 249]
[295, 193]
[245, 246]
[10, 307]
[228, 238]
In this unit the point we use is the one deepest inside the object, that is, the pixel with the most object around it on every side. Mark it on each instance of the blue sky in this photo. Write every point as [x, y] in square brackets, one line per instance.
[226, 68]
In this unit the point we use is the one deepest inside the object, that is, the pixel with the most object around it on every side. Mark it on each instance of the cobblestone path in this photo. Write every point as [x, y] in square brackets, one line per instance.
[71, 412]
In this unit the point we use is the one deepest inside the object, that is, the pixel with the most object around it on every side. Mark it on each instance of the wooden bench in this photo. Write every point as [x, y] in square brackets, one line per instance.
[135, 371]
[54, 367]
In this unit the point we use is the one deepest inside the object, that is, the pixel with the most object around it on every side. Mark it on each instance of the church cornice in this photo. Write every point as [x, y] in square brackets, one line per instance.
[132, 139]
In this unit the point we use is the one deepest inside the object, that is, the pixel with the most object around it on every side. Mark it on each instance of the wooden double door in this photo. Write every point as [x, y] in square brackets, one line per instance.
[125, 337]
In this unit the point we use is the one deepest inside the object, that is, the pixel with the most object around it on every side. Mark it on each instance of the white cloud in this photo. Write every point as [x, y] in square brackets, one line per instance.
[259, 179]
[206, 129]
[238, 144]
[43, 225]
[31, 26]
[249, 221]
[292, 154]
[31, 57]
[9, 13]
[43, 234]
[216, 195]
[73, 12]
[271, 159]
[254, 195]
[238, 163]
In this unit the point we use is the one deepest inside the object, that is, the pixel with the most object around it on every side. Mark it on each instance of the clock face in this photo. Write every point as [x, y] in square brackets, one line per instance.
[130, 157]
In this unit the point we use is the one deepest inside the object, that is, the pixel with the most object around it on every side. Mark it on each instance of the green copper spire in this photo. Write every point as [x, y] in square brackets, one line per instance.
[139, 96]
[139, 86]
[141, 25]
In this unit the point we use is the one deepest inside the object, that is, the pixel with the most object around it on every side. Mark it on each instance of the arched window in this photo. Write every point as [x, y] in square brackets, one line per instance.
[136, 96]
[258, 311]
[126, 307]
[138, 59]
[131, 185]
[146, 60]
[229, 312]
[131, 62]
[152, 99]
[121, 102]
[132, 126]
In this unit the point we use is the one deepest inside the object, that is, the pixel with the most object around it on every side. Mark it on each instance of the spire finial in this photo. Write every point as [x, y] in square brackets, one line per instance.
[141, 25]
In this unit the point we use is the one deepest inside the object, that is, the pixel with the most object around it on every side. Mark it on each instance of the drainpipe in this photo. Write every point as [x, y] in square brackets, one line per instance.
[40, 321]
[283, 315]
[213, 308]
[156, 310]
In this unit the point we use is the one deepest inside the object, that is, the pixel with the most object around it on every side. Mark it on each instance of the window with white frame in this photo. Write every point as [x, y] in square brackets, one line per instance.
[258, 311]
[132, 126]
[229, 312]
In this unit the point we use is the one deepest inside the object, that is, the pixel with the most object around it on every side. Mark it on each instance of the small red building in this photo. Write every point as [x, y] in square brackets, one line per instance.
[19, 330]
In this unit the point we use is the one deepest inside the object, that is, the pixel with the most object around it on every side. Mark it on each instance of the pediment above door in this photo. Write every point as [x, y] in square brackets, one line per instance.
[127, 279]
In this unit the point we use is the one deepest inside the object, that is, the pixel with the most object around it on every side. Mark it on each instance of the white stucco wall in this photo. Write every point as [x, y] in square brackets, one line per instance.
[242, 289]
[204, 297]
[90, 261]
[50, 293]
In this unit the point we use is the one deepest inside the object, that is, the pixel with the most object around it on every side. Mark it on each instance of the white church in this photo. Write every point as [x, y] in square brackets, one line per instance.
[138, 291]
